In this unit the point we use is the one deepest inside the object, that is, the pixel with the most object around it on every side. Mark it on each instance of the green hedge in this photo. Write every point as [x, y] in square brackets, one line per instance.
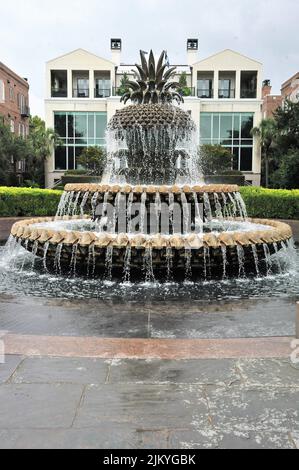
[27, 202]
[260, 202]
[271, 203]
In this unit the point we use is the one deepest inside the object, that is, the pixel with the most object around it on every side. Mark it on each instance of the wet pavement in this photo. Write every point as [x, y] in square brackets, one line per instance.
[94, 403]
[160, 319]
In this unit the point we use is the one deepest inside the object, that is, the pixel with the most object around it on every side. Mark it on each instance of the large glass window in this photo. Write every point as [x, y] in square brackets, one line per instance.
[77, 131]
[233, 131]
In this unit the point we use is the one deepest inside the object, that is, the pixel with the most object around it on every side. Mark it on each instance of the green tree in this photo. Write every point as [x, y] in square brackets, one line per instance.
[287, 124]
[12, 150]
[215, 160]
[183, 85]
[287, 174]
[266, 132]
[41, 142]
[123, 85]
[93, 159]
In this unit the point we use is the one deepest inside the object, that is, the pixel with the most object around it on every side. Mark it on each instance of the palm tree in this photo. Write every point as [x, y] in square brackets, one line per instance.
[266, 132]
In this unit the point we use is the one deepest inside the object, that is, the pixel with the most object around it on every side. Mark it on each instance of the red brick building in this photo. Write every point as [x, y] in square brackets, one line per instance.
[14, 100]
[290, 89]
[270, 102]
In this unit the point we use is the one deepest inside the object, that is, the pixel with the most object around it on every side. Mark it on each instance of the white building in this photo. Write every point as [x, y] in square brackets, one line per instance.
[223, 95]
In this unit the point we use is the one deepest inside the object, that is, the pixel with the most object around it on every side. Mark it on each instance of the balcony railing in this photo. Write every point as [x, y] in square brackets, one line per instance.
[81, 93]
[25, 111]
[226, 93]
[247, 93]
[102, 93]
[205, 93]
[59, 92]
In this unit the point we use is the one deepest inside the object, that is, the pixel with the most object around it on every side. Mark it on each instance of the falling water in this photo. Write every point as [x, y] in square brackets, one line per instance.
[256, 259]
[277, 258]
[148, 265]
[57, 259]
[241, 260]
[169, 264]
[127, 264]
[224, 259]
[188, 264]
[198, 218]
[75, 205]
[218, 207]
[234, 206]
[91, 261]
[158, 211]
[109, 263]
[208, 208]
[143, 225]
[129, 212]
[83, 203]
[46, 248]
[73, 264]
[241, 205]
[34, 253]
[268, 259]
[186, 214]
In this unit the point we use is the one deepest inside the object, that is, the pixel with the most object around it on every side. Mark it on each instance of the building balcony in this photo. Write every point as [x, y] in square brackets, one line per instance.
[81, 93]
[205, 93]
[248, 93]
[59, 92]
[25, 112]
[226, 93]
[102, 93]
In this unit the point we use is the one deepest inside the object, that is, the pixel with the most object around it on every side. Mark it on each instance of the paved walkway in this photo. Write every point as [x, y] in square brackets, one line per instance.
[135, 404]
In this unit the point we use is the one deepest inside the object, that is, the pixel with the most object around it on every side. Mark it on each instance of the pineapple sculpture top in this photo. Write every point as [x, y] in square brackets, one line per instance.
[152, 141]
[152, 85]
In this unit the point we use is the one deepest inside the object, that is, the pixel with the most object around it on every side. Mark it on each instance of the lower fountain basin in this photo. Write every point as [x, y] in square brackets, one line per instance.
[71, 245]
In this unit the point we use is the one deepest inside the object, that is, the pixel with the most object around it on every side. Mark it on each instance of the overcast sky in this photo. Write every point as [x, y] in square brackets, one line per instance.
[34, 31]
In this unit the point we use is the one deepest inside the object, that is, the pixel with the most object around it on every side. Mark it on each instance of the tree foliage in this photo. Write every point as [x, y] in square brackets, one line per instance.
[215, 160]
[93, 159]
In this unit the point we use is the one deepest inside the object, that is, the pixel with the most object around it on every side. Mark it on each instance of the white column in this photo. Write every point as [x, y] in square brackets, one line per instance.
[216, 84]
[69, 83]
[91, 84]
[238, 85]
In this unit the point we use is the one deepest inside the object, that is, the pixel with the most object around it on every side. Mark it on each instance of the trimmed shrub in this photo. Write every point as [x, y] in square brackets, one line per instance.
[260, 202]
[28, 202]
[271, 203]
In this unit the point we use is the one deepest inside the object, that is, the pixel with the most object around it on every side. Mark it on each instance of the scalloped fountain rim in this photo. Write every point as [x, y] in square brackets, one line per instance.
[25, 230]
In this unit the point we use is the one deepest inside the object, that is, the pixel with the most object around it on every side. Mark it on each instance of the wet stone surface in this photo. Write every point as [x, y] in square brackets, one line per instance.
[149, 404]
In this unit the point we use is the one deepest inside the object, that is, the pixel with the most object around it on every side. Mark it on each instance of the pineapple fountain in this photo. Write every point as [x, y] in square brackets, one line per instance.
[153, 217]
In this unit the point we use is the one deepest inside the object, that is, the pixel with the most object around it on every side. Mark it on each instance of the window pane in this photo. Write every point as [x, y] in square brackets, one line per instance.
[236, 126]
[70, 125]
[101, 124]
[60, 124]
[247, 125]
[206, 126]
[216, 120]
[246, 159]
[226, 126]
[236, 158]
[91, 126]
[78, 151]
[71, 159]
[81, 125]
[60, 158]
